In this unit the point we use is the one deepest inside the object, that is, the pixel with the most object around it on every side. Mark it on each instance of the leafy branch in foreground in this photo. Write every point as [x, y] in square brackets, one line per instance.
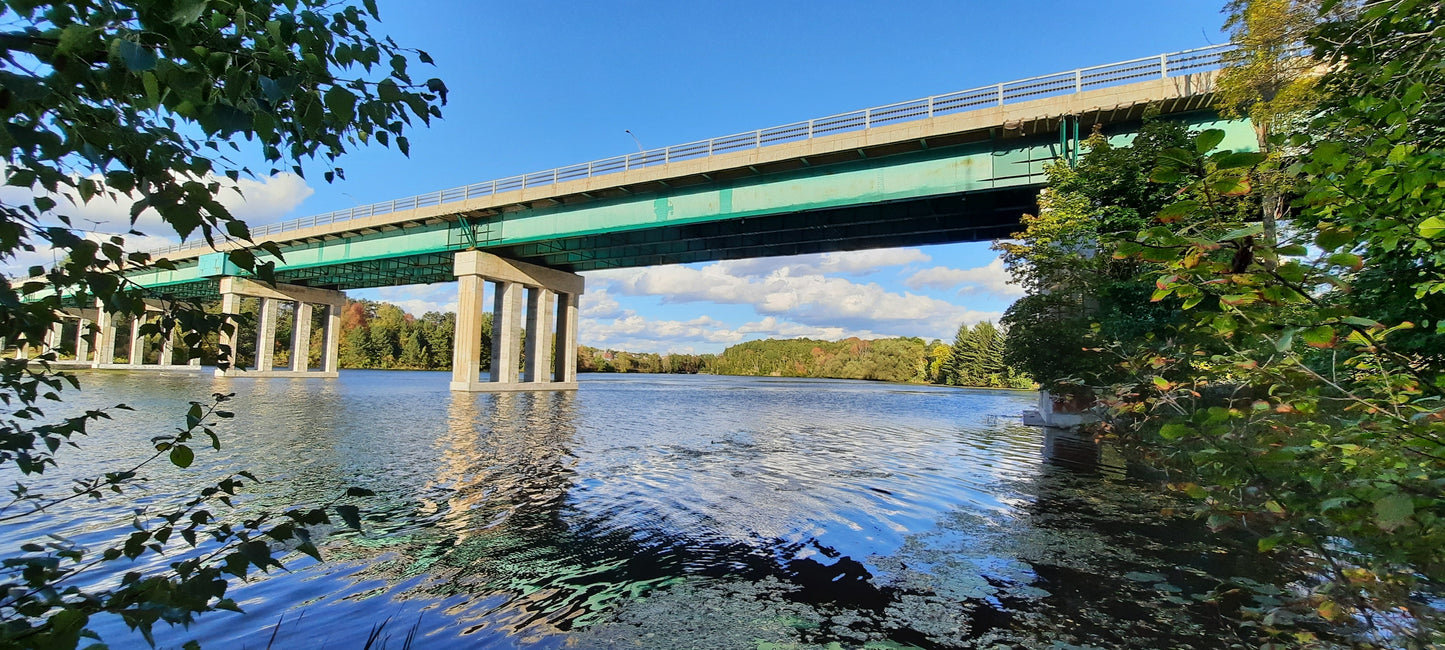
[1297, 389]
[142, 104]
[52, 590]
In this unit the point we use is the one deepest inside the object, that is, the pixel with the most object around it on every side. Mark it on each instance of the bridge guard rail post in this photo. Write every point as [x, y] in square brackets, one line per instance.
[513, 281]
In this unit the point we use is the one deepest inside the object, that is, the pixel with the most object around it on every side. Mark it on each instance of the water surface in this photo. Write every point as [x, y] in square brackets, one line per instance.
[647, 511]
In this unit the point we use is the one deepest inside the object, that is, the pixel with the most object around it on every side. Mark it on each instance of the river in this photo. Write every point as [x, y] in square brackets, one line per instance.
[650, 511]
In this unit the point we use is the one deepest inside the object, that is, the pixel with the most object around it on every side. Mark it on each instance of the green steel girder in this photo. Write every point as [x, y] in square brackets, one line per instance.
[964, 192]
[971, 217]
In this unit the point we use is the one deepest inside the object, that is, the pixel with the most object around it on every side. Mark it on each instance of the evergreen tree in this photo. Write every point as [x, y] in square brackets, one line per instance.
[957, 358]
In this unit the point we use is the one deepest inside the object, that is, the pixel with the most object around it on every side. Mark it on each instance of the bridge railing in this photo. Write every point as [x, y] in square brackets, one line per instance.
[1008, 92]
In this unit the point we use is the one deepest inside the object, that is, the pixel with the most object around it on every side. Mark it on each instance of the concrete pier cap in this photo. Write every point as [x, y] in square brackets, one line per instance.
[551, 338]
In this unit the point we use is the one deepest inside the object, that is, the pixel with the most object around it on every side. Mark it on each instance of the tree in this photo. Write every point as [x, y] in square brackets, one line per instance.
[132, 101]
[1268, 78]
[1081, 298]
[1303, 405]
[940, 358]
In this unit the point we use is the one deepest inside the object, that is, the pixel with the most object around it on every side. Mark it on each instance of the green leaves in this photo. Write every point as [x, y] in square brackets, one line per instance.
[1331, 237]
[1178, 210]
[182, 456]
[1432, 227]
[187, 11]
[1393, 511]
[342, 103]
[137, 57]
[1237, 160]
[136, 102]
[1322, 336]
[1207, 140]
[1175, 431]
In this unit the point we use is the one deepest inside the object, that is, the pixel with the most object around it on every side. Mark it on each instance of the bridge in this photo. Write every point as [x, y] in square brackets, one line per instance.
[957, 167]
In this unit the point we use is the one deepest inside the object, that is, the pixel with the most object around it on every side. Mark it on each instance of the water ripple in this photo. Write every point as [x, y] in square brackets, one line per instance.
[630, 513]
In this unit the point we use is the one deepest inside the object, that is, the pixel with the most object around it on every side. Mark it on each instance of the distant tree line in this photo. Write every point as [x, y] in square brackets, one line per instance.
[590, 359]
[974, 359]
[381, 335]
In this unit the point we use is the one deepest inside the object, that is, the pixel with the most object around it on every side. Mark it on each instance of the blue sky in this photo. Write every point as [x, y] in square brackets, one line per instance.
[535, 85]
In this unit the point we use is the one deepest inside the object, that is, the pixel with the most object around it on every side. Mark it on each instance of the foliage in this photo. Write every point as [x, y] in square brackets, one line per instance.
[590, 359]
[134, 102]
[381, 335]
[974, 360]
[1269, 78]
[1302, 399]
[1079, 299]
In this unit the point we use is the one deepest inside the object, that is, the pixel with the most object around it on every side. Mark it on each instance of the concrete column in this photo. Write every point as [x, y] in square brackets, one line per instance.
[230, 304]
[53, 337]
[301, 338]
[565, 369]
[82, 341]
[168, 348]
[266, 334]
[539, 335]
[137, 349]
[104, 336]
[332, 351]
[467, 341]
[506, 320]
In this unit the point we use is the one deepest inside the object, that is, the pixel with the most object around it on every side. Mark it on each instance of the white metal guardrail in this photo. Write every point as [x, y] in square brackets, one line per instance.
[1009, 92]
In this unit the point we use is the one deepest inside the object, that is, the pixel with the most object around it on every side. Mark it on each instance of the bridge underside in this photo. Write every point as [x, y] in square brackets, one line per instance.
[975, 216]
[962, 217]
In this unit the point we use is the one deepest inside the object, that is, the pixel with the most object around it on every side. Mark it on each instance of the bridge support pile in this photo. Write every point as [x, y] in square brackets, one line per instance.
[271, 297]
[551, 298]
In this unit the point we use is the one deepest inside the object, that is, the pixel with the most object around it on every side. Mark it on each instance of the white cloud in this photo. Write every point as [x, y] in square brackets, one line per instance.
[813, 299]
[639, 334]
[846, 263]
[257, 201]
[416, 299]
[992, 278]
[598, 304]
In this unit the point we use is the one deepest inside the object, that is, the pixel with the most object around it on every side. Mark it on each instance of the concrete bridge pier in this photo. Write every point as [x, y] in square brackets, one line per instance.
[99, 350]
[271, 297]
[541, 288]
[82, 340]
[105, 333]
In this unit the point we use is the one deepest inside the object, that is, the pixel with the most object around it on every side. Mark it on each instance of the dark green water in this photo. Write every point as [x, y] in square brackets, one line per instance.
[673, 512]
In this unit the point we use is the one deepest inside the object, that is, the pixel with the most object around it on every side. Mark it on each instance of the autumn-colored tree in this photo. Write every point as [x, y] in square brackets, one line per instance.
[1270, 78]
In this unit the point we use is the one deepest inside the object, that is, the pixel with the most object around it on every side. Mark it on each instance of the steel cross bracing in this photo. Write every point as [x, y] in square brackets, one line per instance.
[1078, 80]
